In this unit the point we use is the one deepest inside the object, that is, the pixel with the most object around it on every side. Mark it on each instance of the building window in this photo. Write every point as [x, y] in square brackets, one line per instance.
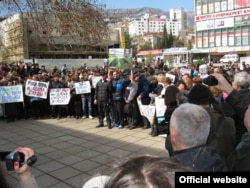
[199, 40]
[198, 7]
[223, 5]
[224, 37]
[231, 36]
[204, 7]
[217, 6]
[210, 6]
[245, 35]
[238, 36]
[205, 39]
[211, 38]
[230, 4]
[218, 37]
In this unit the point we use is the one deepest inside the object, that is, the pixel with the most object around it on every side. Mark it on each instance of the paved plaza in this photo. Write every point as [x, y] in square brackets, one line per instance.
[70, 151]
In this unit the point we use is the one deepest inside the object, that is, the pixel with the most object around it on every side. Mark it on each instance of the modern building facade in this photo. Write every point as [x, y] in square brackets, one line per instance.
[156, 25]
[172, 26]
[138, 26]
[180, 15]
[153, 24]
[222, 26]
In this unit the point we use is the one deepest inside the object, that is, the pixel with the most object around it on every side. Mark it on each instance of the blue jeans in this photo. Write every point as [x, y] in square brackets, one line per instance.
[87, 104]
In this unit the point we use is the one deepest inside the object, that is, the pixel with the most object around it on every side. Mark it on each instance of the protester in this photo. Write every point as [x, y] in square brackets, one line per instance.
[57, 109]
[241, 83]
[141, 171]
[11, 108]
[143, 90]
[189, 130]
[239, 160]
[131, 106]
[171, 103]
[222, 132]
[87, 99]
[103, 98]
[118, 84]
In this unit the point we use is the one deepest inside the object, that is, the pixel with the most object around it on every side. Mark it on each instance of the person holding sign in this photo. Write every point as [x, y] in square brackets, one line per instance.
[11, 108]
[131, 108]
[57, 109]
[87, 99]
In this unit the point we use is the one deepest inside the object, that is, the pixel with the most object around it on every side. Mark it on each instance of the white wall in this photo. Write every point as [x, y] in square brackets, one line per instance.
[71, 63]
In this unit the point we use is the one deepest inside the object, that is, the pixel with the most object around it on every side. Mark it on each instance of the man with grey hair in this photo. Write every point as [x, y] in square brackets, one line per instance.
[189, 130]
[241, 83]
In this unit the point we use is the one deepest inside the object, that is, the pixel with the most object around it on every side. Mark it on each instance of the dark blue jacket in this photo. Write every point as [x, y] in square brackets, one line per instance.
[143, 90]
[118, 87]
[201, 159]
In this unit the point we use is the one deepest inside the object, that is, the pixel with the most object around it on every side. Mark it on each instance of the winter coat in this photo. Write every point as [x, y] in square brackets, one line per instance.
[201, 159]
[102, 91]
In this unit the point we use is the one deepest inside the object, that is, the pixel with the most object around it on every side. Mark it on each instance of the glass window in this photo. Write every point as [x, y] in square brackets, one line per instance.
[245, 35]
[230, 35]
[199, 40]
[238, 36]
[204, 7]
[198, 2]
[210, 6]
[211, 38]
[224, 37]
[198, 7]
[230, 4]
[217, 6]
[205, 39]
[218, 37]
[223, 5]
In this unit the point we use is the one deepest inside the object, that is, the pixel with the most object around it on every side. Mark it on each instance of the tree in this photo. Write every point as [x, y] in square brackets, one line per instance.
[78, 21]
[159, 43]
[170, 40]
[189, 45]
[178, 42]
[146, 46]
[165, 38]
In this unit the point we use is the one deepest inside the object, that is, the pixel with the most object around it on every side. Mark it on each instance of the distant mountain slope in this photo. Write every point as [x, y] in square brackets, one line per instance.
[136, 13]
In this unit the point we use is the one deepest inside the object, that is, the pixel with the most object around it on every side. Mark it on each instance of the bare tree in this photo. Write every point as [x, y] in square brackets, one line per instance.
[80, 22]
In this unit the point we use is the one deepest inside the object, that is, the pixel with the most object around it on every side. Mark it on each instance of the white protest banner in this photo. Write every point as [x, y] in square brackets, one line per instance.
[147, 111]
[10, 94]
[36, 89]
[171, 76]
[185, 71]
[82, 87]
[59, 96]
[95, 79]
[160, 107]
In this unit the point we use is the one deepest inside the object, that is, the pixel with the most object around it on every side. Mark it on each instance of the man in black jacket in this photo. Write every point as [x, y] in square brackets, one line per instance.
[103, 99]
[239, 160]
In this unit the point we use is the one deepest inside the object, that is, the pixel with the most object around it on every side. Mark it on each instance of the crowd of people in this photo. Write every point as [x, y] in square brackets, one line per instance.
[207, 123]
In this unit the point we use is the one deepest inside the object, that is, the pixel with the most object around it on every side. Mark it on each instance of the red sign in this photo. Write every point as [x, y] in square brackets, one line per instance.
[148, 52]
[222, 14]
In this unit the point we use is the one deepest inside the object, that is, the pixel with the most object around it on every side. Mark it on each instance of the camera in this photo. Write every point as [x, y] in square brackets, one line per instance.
[11, 157]
[210, 81]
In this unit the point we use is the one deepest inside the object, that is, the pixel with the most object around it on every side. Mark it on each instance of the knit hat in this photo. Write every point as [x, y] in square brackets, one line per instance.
[200, 95]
